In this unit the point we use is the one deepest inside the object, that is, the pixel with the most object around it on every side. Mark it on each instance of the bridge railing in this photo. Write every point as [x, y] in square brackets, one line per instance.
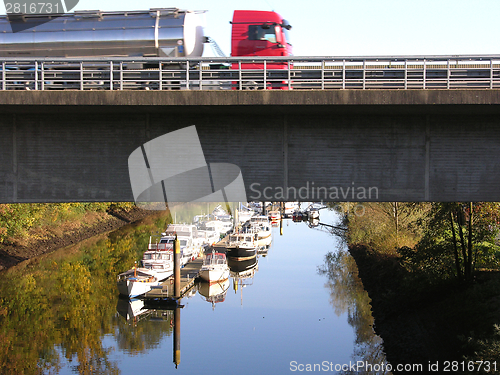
[252, 73]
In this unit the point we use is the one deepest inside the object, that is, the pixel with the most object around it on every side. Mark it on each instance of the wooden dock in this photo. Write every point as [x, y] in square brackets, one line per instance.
[221, 245]
[189, 273]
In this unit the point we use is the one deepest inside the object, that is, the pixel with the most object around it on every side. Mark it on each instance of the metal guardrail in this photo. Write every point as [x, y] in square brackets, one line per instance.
[252, 73]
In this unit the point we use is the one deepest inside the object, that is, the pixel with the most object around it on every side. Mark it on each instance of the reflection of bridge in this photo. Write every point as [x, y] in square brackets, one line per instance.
[336, 145]
[406, 72]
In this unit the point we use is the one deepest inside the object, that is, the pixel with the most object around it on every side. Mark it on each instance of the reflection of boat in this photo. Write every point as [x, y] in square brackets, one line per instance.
[136, 282]
[131, 308]
[159, 257]
[214, 267]
[242, 246]
[236, 266]
[244, 278]
[215, 292]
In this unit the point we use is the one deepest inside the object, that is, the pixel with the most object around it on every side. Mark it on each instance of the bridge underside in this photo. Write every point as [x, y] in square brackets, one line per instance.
[351, 145]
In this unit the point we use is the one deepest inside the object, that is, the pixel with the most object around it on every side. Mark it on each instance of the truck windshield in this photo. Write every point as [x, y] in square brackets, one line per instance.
[257, 32]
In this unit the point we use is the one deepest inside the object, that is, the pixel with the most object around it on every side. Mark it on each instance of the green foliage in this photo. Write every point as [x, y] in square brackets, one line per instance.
[16, 220]
[485, 349]
[383, 226]
[62, 308]
[455, 242]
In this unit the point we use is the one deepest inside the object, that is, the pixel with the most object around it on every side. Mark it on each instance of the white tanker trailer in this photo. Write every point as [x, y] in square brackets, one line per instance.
[162, 32]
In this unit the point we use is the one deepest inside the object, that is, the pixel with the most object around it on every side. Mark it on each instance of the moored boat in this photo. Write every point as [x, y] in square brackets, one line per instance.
[186, 234]
[262, 227]
[242, 246]
[136, 281]
[274, 215]
[159, 257]
[214, 268]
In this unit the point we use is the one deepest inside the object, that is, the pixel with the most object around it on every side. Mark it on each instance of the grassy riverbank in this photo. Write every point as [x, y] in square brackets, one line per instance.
[30, 230]
[423, 314]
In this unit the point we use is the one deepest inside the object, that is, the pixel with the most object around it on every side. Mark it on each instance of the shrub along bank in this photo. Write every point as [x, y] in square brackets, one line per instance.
[432, 272]
[29, 230]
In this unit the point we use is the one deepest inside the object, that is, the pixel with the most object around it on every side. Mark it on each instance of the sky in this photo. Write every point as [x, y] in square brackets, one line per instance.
[352, 27]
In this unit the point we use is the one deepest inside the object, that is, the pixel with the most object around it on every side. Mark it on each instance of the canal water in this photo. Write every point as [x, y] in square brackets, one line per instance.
[301, 308]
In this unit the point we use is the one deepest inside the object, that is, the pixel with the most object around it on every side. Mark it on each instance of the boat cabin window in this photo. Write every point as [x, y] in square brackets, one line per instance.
[183, 242]
[147, 256]
[249, 239]
[166, 240]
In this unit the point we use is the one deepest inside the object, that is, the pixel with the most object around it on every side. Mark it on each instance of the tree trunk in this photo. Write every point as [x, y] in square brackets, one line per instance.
[455, 248]
[462, 242]
[469, 245]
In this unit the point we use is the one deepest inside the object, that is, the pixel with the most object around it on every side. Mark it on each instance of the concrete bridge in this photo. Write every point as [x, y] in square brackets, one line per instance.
[335, 145]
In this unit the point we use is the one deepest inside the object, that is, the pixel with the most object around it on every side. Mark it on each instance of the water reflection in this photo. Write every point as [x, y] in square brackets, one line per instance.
[57, 309]
[347, 295]
[214, 292]
[61, 314]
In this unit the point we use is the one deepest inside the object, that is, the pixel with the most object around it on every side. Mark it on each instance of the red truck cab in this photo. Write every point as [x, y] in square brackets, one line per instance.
[259, 33]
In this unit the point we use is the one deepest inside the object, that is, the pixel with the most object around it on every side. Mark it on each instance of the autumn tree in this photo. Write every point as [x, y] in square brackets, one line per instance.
[457, 238]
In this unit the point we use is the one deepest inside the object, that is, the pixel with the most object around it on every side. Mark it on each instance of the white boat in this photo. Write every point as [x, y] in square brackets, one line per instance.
[159, 257]
[291, 207]
[225, 220]
[187, 235]
[260, 225]
[207, 237]
[274, 215]
[242, 246]
[136, 282]
[245, 213]
[215, 226]
[221, 214]
[214, 268]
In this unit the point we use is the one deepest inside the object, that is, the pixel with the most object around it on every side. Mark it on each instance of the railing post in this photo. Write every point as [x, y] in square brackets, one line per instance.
[364, 74]
[42, 74]
[240, 76]
[160, 76]
[4, 77]
[343, 74]
[111, 75]
[406, 75]
[491, 74]
[289, 75]
[265, 75]
[448, 74]
[36, 75]
[121, 75]
[187, 75]
[424, 75]
[201, 75]
[81, 75]
[322, 74]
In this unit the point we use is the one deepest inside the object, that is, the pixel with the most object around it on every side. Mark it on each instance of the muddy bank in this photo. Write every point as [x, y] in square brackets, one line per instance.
[432, 323]
[49, 240]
